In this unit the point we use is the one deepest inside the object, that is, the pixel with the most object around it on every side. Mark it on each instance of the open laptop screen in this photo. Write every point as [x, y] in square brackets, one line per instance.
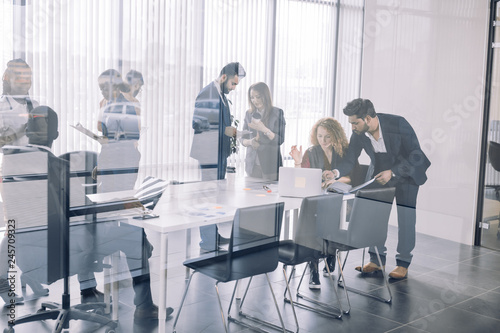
[299, 182]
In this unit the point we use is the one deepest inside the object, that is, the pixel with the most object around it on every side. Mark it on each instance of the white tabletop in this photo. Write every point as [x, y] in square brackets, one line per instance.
[194, 204]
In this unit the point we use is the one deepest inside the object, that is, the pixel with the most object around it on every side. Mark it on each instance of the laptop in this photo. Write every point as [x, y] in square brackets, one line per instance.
[299, 182]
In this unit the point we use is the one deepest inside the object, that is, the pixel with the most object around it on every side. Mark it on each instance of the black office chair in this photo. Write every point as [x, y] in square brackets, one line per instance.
[494, 158]
[307, 246]
[252, 250]
[367, 227]
[25, 180]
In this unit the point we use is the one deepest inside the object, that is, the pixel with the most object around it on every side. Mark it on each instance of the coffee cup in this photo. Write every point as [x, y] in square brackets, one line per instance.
[256, 118]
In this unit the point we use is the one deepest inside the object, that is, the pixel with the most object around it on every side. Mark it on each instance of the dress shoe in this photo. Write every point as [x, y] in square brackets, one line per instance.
[314, 282]
[35, 286]
[331, 266]
[149, 312]
[369, 268]
[12, 299]
[8, 295]
[91, 295]
[399, 272]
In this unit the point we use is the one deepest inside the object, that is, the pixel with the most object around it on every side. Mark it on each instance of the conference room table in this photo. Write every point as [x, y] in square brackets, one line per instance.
[190, 205]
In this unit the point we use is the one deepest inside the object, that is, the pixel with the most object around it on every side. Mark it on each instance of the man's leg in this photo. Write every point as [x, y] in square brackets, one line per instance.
[4, 268]
[138, 263]
[82, 239]
[406, 199]
[382, 249]
[87, 280]
[208, 234]
[4, 259]
[139, 269]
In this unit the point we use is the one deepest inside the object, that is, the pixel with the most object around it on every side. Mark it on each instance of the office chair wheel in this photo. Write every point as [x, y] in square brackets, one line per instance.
[110, 330]
[41, 310]
[8, 330]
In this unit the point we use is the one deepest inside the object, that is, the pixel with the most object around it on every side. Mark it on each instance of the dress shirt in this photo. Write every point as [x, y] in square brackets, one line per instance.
[378, 145]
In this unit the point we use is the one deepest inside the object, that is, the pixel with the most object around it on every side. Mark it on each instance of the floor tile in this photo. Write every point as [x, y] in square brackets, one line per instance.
[470, 275]
[489, 261]
[457, 321]
[451, 287]
[485, 305]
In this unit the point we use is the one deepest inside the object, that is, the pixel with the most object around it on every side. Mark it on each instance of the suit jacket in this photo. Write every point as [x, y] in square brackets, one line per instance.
[409, 162]
[269, 150]
[211, 147]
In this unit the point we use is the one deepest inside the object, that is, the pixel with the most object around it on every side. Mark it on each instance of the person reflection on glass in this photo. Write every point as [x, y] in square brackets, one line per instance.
[267, 126]
[119, 121]
[135, 82]
[119, 118]
[213, 132]
[329, 148]
[15, 103]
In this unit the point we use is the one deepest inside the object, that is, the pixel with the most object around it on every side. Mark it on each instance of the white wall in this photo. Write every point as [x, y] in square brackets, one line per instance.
[425, 60]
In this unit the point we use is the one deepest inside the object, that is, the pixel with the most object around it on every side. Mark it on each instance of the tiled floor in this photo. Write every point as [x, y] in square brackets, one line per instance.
[450, 288]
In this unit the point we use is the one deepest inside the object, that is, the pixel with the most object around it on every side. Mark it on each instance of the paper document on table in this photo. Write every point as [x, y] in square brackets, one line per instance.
[339, 187]
[208, 211]
[86, 131]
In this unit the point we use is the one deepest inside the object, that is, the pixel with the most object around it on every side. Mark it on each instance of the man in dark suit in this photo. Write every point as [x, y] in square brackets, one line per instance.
[396, 160]
[213, 133]
[212, 123]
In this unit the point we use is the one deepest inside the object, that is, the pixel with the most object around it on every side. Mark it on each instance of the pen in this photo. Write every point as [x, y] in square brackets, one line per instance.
[268, 190]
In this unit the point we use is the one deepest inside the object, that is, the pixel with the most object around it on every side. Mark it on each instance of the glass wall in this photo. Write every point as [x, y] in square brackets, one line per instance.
[297, 47]
[490, 232]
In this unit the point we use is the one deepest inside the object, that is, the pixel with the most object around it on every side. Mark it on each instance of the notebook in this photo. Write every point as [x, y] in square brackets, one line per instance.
[299, 182]
[339, 187]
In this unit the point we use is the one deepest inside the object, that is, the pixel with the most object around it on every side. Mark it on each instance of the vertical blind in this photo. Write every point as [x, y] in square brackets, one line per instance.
[180, 46]
[6, 30]
[304, 65]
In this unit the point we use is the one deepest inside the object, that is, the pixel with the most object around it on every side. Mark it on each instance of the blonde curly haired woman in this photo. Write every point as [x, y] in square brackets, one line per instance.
[329, 146]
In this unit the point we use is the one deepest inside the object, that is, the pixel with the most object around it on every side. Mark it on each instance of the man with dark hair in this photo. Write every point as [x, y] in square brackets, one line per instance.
[42, 127]
[396, 161]
[212, 147]
[213, 132]
[135, 82]
[15, 104]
